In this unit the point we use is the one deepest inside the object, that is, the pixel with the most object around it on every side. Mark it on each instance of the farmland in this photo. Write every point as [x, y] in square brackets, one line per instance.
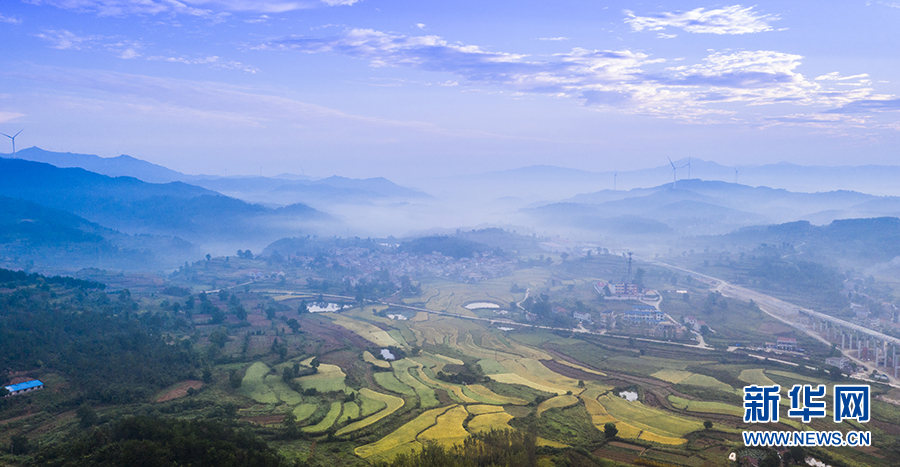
[362, 384]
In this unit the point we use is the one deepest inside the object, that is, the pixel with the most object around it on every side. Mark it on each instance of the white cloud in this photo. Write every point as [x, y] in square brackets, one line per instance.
[212, 61]
[9, 20]
[420, 25]
[9, 116]
[733, 19]
[339, 2]
[622, 80]
[180, 7]
[556, 39]
[125, 7]
[64, 40]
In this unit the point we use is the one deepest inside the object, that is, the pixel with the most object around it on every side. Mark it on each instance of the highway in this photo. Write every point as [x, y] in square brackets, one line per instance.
[788, 313]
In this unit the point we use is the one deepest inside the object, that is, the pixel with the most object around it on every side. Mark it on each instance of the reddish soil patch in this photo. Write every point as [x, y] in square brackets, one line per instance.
[265, 419]
[622, 445]
[615, 455]
[568, 371]
[180, 390]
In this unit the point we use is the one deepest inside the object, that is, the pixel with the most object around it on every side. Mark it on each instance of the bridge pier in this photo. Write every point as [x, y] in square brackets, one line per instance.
[843, 340]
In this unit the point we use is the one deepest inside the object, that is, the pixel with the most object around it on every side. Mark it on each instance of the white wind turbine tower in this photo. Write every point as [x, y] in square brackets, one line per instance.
[674, 172]
[736, 170]
[688, 165]
[615, 179]
[13, 138]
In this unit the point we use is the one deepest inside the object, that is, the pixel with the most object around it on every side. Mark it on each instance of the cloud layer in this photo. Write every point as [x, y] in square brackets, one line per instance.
[624, 80]
[733, 19]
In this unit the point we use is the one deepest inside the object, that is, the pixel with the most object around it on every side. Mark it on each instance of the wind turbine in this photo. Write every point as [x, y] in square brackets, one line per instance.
[13, 138]
[615, 179]
[674, 172]
[736, 170]
[688, 165]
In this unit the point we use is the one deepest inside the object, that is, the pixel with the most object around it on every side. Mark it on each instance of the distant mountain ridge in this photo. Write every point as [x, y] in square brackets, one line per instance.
[131, 205]
[120, 166]
[699, 207]
[292, 188]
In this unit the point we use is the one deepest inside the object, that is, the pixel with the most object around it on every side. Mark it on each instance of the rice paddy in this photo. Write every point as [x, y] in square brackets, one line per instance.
[403, 437]
[705, 407]
[392, 404]
[390, 382]
[369, 358]
[755, 376]
[265, 388]
[367, 331]
[448, 429]
[350, 411]
[330, 378]
[402, 369]
[557, 402]
[303, 411]
[333, 413]
[489, 421]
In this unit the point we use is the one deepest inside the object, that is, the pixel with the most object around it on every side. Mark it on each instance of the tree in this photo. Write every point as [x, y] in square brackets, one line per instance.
[639, 278]
[610, 430]
[797, 454]
[294, 324]
[219, 337]
[707, 424]
[86, 416]
[19, 444]
[290, 425]
[234, 379]
[303, 308]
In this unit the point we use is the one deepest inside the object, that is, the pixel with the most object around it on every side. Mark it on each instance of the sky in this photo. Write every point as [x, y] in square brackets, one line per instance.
[417, 89]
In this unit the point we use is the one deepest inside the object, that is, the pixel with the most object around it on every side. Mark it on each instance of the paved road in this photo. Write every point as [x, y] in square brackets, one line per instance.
[786, 312]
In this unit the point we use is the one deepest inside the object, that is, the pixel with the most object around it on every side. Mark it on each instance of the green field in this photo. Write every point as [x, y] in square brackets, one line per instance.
[333, 413]
[329, 378]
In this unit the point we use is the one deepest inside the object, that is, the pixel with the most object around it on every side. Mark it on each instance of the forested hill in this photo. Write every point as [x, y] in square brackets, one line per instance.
[102, 346]
[136, 207]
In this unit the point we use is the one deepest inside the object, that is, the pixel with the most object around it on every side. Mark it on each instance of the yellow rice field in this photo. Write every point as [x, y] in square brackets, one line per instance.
[448, 429]
[405, 435]
[489, 421]
[557, 402]
[367, 331]
[369, 358]
[392, 404]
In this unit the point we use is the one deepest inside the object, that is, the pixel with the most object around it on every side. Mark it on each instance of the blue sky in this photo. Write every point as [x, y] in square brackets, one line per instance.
[409, 89]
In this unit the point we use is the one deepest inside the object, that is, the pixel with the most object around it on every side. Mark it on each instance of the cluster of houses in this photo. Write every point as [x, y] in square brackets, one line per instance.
[24, 387]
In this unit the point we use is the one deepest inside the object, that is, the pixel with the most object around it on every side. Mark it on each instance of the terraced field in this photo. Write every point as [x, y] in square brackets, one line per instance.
[402, 439]
[705, 407]
[367, 331]
[369, 358]
[330, 378]
[557, 402]
[391, 403]
[755, 376]
[333, 413]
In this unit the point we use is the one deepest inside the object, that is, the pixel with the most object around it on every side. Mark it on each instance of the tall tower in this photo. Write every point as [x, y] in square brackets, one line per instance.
[628, 279]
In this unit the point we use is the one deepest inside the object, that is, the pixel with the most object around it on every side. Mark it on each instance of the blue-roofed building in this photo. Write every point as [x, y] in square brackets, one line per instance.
[22, 388]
